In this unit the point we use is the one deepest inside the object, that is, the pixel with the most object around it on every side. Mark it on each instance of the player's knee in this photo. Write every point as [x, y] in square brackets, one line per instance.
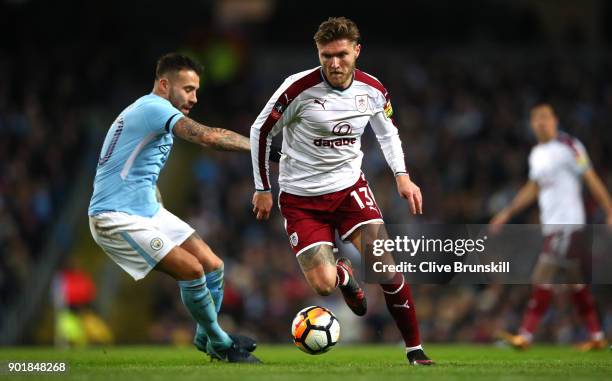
[216, 264]
[324, 290]
[324, 286]
[193, 271]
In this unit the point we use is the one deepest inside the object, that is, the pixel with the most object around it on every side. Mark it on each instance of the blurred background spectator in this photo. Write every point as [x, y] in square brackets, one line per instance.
[76, 323]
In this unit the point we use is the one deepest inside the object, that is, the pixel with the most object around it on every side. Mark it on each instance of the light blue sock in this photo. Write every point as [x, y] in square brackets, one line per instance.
[200, 339]
[214, 280]
[198, 300]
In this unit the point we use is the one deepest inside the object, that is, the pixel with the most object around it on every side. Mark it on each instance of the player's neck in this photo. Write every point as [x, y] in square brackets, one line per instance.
[348, 82]
[157, 91]
[548, 139]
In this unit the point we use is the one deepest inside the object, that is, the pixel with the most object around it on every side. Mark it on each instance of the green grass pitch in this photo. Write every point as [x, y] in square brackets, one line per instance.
[346, 363]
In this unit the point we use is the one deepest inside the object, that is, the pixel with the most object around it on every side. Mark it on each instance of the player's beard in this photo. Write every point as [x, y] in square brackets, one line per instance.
[177, 102]
[345, 77]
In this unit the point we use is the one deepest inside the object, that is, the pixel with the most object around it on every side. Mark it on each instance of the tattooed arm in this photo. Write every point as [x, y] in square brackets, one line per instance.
[212, 137]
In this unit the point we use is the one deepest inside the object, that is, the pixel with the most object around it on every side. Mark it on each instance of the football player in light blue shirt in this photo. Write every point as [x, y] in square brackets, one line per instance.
[131, 225]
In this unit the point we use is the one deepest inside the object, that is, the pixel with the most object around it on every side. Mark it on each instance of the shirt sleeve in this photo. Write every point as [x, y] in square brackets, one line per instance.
[161, 116]
[387, 134]
[276, 114]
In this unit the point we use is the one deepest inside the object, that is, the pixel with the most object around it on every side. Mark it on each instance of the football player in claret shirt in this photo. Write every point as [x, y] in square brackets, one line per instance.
[324, 111]
[557, 166]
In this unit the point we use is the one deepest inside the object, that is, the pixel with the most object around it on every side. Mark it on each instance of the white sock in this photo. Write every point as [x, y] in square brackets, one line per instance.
[526, 335]
[410, 349]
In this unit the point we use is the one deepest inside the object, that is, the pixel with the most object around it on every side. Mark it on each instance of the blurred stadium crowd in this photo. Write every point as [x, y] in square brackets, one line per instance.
[43, 133]
[462, 115]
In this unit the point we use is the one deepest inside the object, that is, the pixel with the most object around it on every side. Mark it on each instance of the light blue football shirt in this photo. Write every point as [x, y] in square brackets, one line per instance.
[135, 150]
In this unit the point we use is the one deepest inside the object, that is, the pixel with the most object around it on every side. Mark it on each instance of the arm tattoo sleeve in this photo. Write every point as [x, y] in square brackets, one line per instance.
[213, 137]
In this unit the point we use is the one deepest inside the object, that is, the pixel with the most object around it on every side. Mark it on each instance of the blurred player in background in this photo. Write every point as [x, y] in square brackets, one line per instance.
[324, 112]
[130, 224]
[557, 166]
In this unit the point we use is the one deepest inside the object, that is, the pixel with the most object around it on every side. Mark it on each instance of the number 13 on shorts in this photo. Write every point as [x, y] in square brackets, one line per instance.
[364, 198]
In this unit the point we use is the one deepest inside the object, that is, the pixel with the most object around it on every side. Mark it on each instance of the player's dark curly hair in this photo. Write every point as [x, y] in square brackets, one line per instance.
[337, 28]
[174, 62]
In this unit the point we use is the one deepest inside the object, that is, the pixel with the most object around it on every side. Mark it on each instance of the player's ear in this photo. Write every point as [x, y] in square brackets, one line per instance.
[357, 50]
[164, 84]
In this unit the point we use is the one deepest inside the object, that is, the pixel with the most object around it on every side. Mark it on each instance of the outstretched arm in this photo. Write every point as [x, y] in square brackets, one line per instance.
[599, 192]
[211, 137]
[525, 197]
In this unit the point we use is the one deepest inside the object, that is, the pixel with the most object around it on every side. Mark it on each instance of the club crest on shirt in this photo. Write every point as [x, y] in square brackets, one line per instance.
[361, 102]
[157, 243]
[293, 239]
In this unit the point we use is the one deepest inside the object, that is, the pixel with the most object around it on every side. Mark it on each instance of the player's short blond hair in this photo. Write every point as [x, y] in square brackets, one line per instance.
[337, 28]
